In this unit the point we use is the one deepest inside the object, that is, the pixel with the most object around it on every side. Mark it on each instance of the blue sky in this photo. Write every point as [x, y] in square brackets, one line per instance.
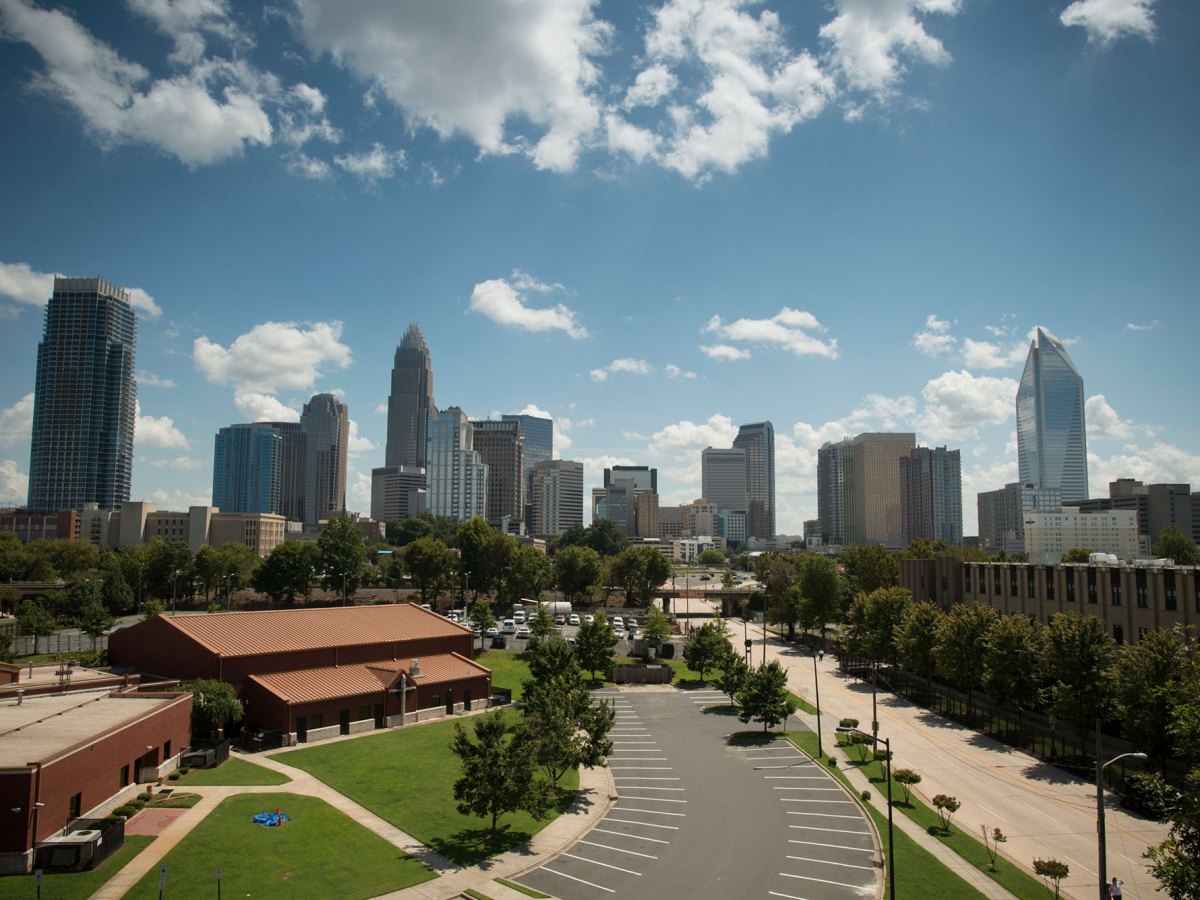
[651, 221]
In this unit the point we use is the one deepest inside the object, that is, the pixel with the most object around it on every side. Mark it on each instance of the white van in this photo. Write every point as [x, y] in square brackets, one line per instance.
[509, 627]
[519, 616]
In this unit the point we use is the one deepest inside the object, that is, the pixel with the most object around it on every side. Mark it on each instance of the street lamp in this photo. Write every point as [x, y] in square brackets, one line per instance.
[891, 856]
[817, 683]
[174, 583]
[1100, 767]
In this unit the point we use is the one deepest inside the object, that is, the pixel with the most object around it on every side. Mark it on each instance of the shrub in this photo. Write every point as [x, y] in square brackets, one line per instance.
[183, 770]
[174, 776]
[832, 763]
[905, 778]
[946, 807]
[145, 796]
[866, 796]
[848, 723]
[125, 811]
[1053, 871]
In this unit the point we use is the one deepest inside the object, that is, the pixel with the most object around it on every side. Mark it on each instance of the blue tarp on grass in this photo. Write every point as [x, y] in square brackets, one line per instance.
[271, 819]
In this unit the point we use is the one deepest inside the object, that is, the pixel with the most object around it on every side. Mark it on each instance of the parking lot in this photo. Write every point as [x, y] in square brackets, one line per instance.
[701, 815]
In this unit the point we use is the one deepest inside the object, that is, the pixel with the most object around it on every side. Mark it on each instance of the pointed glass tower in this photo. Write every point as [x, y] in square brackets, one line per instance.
[1051, 431]
[410, 402]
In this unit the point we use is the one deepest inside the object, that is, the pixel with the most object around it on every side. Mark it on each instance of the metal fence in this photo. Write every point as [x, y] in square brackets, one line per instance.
[59, 642]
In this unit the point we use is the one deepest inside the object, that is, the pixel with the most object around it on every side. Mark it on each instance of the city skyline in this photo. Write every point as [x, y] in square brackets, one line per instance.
[598, 245]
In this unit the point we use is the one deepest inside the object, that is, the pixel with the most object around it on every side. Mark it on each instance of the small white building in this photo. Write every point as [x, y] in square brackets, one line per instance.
[688, 550]
[1048, 535]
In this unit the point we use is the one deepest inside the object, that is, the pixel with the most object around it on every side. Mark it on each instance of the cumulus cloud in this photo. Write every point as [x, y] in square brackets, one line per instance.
[867, 39]
[1107, 20]
[16, 422]
[149, 379]
[381, 408]
[788, 328]
[158, 431]
[503, 66]
[624, 364]
[935, 339]
[188, 23]
[673, 371]
[273, 356]
[724, 352]
[26, 285]
[14, 484]
[182, 498]
[651, 85]
[310, 167]
[1103, 421]
[185, 463]
[958, 404]
[687, 436]
[989, 355]
[505, 303]
[254, 406]
[1160, 463]
[1134, 326]
[358, 443]
[372, 166]
[359, 490]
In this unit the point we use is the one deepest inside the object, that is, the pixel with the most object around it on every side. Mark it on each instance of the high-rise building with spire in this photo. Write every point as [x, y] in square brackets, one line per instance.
[1051, 431]
[85, 397]
[410, 403]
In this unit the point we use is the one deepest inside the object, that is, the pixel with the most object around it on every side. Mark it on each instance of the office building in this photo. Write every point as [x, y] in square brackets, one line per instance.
[1158, 506]
[616, 501]
[397, 492]
[456, 475]
[140, 522]
[831, 492]
[758, 440]
[292, 471]
[325, 422]
[557, 497]
[248, 469]
[931, 496]
[501, 448]
[643, 478]
[871, 492]
[645, 514]
[723, 477]
[700, 517]
[538, 434]
[1051, 431]
[670, 523]
[85, 397]
[410, 403]
[1002, 514]
[1048, 535]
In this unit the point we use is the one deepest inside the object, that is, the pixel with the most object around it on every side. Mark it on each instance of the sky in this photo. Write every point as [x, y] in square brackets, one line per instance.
[651, 221]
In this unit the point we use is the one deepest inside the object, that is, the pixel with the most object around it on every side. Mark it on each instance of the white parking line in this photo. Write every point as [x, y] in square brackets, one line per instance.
[831, 830]
[640, 758]
[756, 758]
[606, 865]
[641, 768]
[792, 812]
[829, 862]
[798, 800]
[650, 812]
[787, 896]
[834, 846]
[788, 766]
[753, 749]
[636, 837]
[650, 777]
[650, 787]
[650, 799]
[635, 822]
[616, 849]
[821, 880]
[580, 880]
[996, 814]
[788, 777]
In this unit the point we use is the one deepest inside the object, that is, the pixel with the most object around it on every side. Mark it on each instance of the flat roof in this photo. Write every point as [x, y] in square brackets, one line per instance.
[234, 634]
[47, 674]
[45, 725]
[333, 682]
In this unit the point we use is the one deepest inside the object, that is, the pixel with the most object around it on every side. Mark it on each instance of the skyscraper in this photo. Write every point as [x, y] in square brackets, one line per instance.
[325, 422]
[931, 495]
[292, 472]
[502, 449]
[871, 487]
[85, 399]
[410, 403]
[538, 434]
[557, 497]
[831, 491]
[248, 469]
[457, 476]
[758, 440]
[723, 481]
[1051, 432]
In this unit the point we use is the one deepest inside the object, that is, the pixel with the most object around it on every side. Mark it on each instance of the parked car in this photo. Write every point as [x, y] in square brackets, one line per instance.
[509, 627]
[519, 616]
[499, 642]
[618, 623]
[523, 632]
[620, 633]
[492, 631]
[560, 620]
[589, 618]
[475, 631]
[573, 620]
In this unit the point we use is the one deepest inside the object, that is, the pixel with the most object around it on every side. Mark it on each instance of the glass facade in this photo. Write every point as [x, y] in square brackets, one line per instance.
[538, 434]
[326, 426]
[410, 403]
[248, 469]
[1051, 432]
[85, 397]
[758, 440]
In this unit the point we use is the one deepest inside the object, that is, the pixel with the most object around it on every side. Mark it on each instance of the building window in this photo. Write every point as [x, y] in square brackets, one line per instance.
[1115, 587]
[1049, 582]
[125, 776]
[316, 720]
[967, 584]
[76, 809]
[1012, 581]
[1070, 587]
[1142, 598]
[434, 701]
[1170, 598]
[996, 581]
[1032, 592]
[1091, 584]
[1119, 634]
[364, 712]
[166, 751]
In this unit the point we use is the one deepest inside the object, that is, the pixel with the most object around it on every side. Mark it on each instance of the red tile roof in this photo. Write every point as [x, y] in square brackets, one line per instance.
[236, 634]
[333, 682]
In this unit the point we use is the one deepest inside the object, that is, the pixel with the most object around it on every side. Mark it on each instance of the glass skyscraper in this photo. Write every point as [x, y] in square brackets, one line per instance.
[85, 399]
[410, 403]
[758, 440]
[1051, 431]
[248, 469]
[326, 426]
[538, 434]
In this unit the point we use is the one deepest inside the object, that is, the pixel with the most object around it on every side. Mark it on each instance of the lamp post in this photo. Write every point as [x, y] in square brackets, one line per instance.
[174, 583]
[817, 685]
[891, 856]
[1100, 767]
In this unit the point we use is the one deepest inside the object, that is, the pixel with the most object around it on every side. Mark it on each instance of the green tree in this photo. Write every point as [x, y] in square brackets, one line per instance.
[499, 772]
[734, 673]
[777, 572]
[872, 621]
[1077, 555]
[473, 537]
[606, 537]
[870, 567]
[640, 571]
[115, 593]
[530, 572]
[1053, 871]
[168, 568]
[34, 619]
[430, 564]
[1013, 662]
[132, 562]
[404, 532]
[68, 558]
[1173, 544]
[214, 705]
[822, 588]
[916, 639]
[209, 567]
[576, 570]
[287, 572]
[1154, 678]
[594, 643]
[919, 548]
[906, 778]
[152, 607]
[343, 557]
[482, 617]
[960, 646]
[711, 557]
[656, 628]
[82, 592]
[1080, 667]
[567, 727]
[790, 610]
[95, 620]
[542, 625]
[706, 648]
[764, 697]
[946, 807]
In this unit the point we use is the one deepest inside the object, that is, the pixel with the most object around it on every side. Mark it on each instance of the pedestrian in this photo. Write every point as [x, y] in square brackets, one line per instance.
[1114, 889]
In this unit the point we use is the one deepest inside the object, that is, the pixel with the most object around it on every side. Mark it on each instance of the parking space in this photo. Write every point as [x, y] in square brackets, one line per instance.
[699, 814]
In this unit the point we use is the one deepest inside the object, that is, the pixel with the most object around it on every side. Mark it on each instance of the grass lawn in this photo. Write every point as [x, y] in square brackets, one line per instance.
[407, 776]
[919, 875]
[233, 771]
[320, 853]
[508, 667]
[74, 885]
[968, 846]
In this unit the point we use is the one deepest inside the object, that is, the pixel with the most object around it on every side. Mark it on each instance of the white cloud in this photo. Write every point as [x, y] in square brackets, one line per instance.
[633, 436]
[650, 87]
[625, 137]
[16, 422]
[568, 424]
[158, 431]
[257, 407]
[358, 443]
[987, 355]
[26, 285]
[372, 166]
[185, 463]
[381, 408]
[788, 328]
[149, 379]
[302, 116]
[310, 167]
[1134, 326]
[673, 371]
[724, 352]
[186, 22]
[14, 484]
[1107, 20]
[687, 436]
[273, 355]
[866, 39]
[532, 409]
[504, 302]
[359, 491]
[181, 498]
[10, 312]
[624, 364]
[936, 338]
[958, 404]
[1103, 421]
[505, 65]
[1159, 463]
